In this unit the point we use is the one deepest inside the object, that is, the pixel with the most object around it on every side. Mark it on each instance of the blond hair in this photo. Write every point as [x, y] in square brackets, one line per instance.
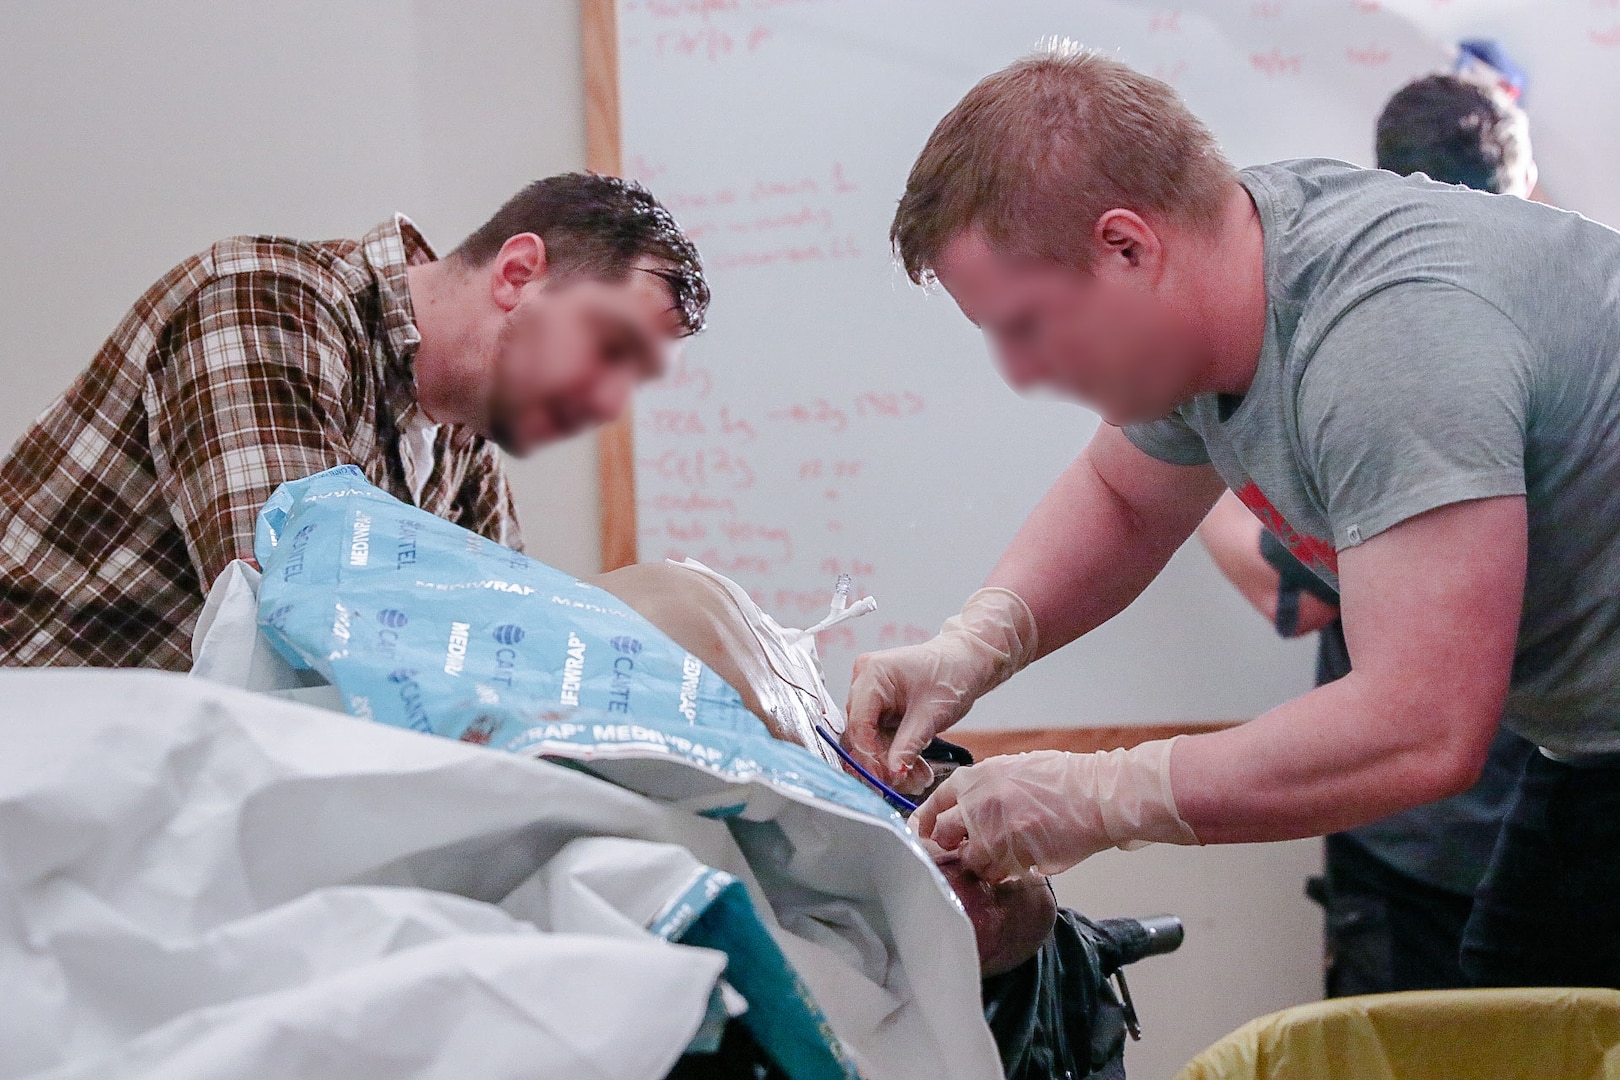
[1037, 152]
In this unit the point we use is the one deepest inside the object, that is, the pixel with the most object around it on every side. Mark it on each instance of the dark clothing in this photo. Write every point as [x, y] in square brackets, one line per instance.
[1332, 654]
[1055, 1015]
[1547, 910]
[1386, 931]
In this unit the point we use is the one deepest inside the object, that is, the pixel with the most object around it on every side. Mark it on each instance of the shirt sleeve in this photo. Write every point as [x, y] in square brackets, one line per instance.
[247, 393]
[1171, 440]
[1416, 398]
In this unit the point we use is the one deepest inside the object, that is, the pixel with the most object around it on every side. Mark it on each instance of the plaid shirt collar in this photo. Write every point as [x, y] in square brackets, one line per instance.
[388, 250]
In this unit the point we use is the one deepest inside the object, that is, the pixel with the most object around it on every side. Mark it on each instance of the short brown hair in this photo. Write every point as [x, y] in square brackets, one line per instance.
[1037, 152]
[600, 226]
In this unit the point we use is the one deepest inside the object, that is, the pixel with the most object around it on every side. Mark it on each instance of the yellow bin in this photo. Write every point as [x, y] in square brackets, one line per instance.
[1532, 1034]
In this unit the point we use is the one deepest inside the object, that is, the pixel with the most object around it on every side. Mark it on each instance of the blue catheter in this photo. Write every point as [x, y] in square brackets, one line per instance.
[890, 796]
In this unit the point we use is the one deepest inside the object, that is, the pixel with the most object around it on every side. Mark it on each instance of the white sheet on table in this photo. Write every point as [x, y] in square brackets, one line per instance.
[192, 876]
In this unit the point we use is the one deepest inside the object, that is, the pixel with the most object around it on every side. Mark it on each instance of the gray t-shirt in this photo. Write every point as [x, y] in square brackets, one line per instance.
[1425, 345]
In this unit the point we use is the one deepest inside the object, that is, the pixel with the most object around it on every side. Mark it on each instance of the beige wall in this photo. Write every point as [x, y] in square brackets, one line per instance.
[1254, 942]
[134, 134]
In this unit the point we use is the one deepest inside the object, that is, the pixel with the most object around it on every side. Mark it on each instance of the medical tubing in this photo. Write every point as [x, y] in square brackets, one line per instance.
[890, 796]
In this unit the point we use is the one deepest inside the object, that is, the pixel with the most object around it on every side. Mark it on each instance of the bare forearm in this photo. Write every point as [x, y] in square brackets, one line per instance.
[1231, 534]
[1330, 760]
[1078, 560]
[1100, 535]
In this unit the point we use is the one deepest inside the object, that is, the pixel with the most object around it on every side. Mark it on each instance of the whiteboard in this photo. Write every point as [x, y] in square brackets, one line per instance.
[836, 419]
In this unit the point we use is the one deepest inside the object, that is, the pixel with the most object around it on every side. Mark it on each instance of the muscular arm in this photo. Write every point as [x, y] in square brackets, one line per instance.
[1431, 614]
[1101, 534]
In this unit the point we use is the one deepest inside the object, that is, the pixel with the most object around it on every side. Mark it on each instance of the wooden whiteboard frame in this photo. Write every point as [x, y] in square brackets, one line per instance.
[604, 153]
[989, 742]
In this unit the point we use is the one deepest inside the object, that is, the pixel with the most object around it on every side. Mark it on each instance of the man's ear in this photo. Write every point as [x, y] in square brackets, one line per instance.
[521, 260]
[1126, 246]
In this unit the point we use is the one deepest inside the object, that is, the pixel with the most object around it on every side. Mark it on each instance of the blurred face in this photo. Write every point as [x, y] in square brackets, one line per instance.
[571, 352]
[1106, 338]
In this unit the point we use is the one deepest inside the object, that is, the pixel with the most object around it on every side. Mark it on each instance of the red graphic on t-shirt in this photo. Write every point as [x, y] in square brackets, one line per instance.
[1314, 553]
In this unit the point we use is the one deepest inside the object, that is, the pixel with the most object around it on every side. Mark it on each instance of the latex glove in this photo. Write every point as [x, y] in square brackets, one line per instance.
[1049, 809]
[901, 698]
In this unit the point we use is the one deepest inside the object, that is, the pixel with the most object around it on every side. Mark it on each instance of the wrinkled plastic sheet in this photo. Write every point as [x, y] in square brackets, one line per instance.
[198, 880]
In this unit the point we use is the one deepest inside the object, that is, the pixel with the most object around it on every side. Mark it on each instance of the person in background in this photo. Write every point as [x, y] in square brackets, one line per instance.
[1396, 892]
[265, 359]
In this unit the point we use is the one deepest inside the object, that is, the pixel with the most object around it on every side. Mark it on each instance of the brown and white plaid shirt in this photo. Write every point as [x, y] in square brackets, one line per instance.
[257, 361]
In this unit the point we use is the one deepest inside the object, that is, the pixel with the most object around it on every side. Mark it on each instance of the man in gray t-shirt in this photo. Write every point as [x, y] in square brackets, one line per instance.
[1397, 893]
[1428, 345]
[1415, 386]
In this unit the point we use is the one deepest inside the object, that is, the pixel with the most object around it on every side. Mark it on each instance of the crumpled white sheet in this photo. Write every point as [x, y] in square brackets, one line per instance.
[513, 1005]
[198, 881]
[202, 881]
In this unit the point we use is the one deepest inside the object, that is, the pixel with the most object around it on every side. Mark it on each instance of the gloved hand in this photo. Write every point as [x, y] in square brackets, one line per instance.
[1049, 809]
[901, 698]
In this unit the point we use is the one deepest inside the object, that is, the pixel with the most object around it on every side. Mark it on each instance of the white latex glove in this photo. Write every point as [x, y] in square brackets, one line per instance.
[1049, 809]
[901, 698]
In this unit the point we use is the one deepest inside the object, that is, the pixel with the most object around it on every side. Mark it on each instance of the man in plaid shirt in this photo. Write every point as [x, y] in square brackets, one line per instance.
[265, 359]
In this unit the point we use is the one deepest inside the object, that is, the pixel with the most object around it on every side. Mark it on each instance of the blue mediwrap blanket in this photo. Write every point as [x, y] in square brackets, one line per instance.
[422, 624]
